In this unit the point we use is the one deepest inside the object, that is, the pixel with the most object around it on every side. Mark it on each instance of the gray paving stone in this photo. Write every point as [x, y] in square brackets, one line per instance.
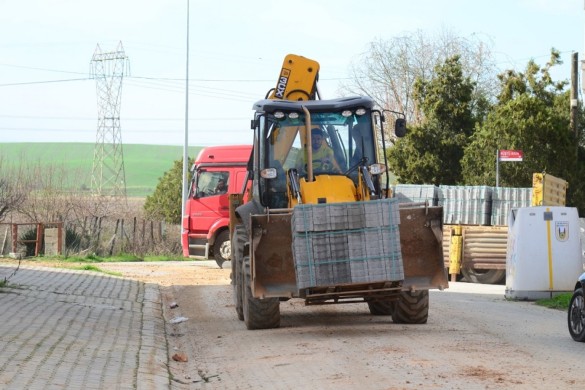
[64, 329]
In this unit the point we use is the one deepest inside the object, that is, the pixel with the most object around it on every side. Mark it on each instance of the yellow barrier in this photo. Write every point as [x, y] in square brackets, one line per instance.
[455, 252]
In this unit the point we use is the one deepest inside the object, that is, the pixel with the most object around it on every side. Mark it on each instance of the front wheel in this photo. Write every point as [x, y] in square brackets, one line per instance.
[381, 308]
[222, 249]
[412, 308]
[484, 276]
[239, 240]
[576, 317]
[258, 313]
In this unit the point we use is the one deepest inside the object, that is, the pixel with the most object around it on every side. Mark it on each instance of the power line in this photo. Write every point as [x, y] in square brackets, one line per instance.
[125, 119]
[43, 82]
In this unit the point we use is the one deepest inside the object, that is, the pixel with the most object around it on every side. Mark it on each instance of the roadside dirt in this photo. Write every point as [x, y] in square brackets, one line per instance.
[474, 339]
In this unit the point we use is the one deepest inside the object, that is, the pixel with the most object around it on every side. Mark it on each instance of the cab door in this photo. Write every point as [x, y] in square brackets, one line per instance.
[208, 203]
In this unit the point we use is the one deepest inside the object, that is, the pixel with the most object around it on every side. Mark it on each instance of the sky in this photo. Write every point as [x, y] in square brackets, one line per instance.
[236, 49]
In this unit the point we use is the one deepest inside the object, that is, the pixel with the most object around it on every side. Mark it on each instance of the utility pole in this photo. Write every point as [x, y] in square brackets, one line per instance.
[185, 182]
[575, 94]
[575, 101]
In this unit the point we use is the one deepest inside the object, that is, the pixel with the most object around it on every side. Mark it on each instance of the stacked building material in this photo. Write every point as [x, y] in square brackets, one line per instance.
[467, 205]
[342, 243]
[416, 193]
[504, 199]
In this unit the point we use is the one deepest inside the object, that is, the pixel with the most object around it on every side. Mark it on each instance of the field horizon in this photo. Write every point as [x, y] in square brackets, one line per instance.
[144, 164]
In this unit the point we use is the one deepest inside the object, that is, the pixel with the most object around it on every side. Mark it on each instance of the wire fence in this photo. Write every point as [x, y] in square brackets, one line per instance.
[101, 236]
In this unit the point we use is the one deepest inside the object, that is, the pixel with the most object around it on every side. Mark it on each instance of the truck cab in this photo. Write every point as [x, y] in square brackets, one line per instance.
[217, 172]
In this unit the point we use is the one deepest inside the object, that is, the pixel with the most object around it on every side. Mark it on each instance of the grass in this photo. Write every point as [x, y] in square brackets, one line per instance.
[86, 263]
[143, 164]
[89, 267]
[560, 302]
[122, 258]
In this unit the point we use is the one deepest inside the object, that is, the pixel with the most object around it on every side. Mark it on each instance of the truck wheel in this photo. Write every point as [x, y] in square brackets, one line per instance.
[381, 308]
[576, 317]
[222, 248]
[411, 308]
[484, 276]
[238, 243]
[258, 313]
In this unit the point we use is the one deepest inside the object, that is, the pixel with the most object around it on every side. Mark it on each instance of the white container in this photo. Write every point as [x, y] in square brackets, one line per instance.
[544, 252]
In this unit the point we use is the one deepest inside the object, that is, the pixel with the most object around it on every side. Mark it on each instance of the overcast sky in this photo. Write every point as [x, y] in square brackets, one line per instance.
[236, 51]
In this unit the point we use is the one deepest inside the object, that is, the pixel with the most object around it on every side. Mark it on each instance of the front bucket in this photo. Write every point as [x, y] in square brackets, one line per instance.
[422, 251]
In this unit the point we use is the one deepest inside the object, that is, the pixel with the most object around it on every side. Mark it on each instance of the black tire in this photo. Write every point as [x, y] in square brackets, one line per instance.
[484, 276]
[381, 308]
[258, 313]
[412, 308]
[222, 249]
[576, 316]
[239, 240]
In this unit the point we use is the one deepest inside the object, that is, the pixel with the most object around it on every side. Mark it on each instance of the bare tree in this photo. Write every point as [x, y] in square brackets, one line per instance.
[389, 69]
[12, 195]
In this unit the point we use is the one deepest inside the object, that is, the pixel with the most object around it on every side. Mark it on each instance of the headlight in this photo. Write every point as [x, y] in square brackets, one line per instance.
[376, 169]
[268, 173]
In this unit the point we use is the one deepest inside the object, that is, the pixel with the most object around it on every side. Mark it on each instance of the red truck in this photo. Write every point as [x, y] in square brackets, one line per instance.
[217, 172]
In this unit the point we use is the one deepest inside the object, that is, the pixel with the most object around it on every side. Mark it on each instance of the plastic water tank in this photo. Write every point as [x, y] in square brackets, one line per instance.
[544, 252]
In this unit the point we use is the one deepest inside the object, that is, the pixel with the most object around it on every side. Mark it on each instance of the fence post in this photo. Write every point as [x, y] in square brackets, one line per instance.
[134, 233]
[39, 238]
[114, 237]
[14, 237]
[60, 238]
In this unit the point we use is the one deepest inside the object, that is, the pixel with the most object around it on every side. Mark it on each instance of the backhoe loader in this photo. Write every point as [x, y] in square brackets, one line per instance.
[319, 222]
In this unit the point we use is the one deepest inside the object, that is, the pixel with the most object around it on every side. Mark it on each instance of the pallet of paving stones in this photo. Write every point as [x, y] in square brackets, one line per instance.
[340, 243]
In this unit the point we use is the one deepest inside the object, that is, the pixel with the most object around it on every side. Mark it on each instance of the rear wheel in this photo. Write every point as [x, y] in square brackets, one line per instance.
[258, 313]
[222, 248]
[381, 308]
[576, 317]
[238, 243]
[412, 308]
[484, 276]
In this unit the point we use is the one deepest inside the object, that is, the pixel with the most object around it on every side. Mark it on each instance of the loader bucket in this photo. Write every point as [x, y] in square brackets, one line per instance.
[421, 244]
[271, 256]
[274, 270]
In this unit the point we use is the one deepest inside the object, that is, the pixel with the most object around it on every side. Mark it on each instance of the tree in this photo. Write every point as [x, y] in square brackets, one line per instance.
[12, 194]
[532, 115]
[166, 201]
[11, 197]
[389, 70]
[431, 151]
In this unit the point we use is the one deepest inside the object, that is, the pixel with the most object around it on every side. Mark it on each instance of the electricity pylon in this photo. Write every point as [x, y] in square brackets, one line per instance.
[108, 175]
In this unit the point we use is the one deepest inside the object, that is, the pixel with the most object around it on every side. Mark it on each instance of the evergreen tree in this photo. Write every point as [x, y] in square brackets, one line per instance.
[431, 152]
[532, 115]
[165, 202]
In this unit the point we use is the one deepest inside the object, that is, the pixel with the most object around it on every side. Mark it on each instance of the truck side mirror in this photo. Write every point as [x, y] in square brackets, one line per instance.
[400, 127]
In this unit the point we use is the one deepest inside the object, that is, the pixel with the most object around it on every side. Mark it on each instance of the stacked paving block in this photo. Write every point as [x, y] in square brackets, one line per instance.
[466, 205]
[504, 199]
[341, 243]
[416, 193]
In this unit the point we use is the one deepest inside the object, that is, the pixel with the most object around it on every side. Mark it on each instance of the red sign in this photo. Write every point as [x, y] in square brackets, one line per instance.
[510, 155]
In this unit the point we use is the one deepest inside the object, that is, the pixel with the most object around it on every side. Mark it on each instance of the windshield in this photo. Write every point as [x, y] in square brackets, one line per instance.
[338, 142]
[209, 183]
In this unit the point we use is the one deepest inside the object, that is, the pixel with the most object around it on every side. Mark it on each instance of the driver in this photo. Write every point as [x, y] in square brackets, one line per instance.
[323, 157]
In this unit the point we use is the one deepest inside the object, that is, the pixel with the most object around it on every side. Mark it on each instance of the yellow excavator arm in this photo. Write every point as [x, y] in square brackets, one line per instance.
[298, 79]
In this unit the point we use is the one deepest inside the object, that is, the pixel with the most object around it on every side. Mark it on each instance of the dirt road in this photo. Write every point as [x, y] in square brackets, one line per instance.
[474, 339]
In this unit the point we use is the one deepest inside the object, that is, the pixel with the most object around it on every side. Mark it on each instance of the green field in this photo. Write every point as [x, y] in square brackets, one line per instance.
[143, 164]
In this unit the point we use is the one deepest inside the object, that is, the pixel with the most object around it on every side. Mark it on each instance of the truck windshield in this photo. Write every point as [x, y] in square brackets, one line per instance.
[209, 183]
